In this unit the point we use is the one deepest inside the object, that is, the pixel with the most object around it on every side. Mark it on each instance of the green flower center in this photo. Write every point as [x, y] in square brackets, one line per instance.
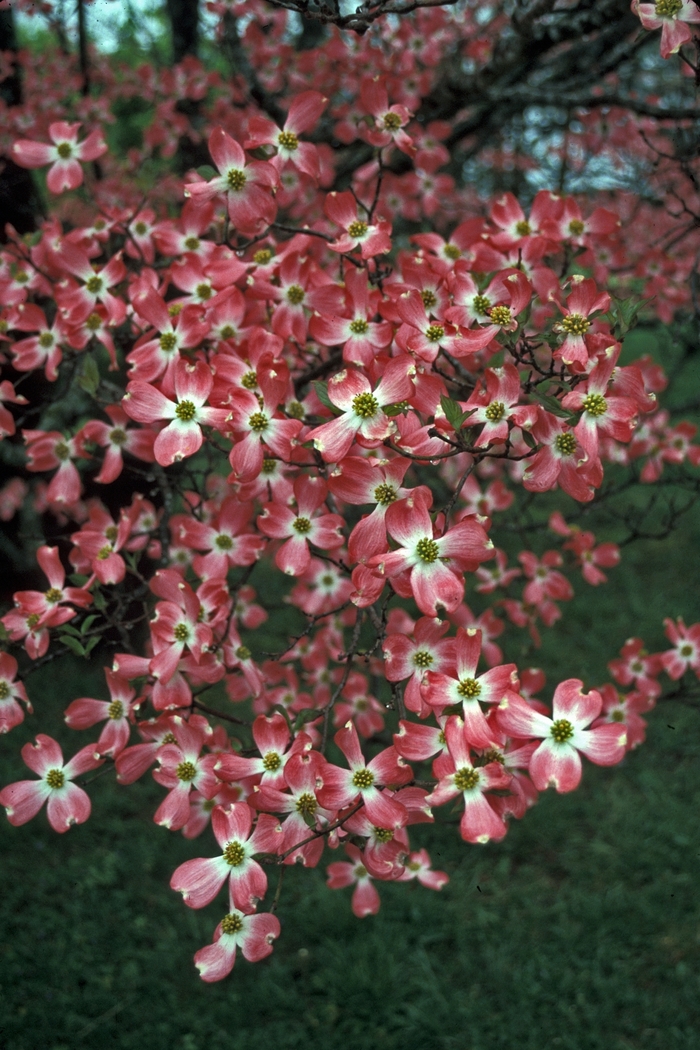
[295, 294]
[565, 444]
[94, 284]
[363, 778]
[668, 8]
[358, 327]
[469, 688]
[140, 228]
[4, 690]
[64, 150]
[576, 324]
[258, 422]
[482, 304]
[227, 332]
[429, 298]
[118, 436]
[576, 227]
[595, 404]
[365, 405]
[562, 730]
[236, 179]
[181, 632]
[522, 228]
[168, 341]
[32, 620]
[186, 411]
[53, 595]
[243, 652]
[192, 244]
[306, 804]
[288, 140]
[466, 779]
[423, 658]
[223, 542]
[269, 466]
[301, 525]
[385, 494]
[295, 410]
[392, 121]
[357, 229]
[234, 854]
[55, 778]
[111, 533]
[383, 834]
[495, 412]
[427, 550]
[434, 333]
[249, 380]
[271, 761]
[115, 710]
[61, 450]
[104, 552]
[93, 323]
[262, 257]
[452, 251]
[501, 315]
[186, 771]
[231, 923]
[46, 340]
[203, 291]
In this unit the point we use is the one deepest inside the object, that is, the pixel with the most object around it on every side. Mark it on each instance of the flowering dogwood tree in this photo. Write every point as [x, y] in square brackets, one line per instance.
[343, 325]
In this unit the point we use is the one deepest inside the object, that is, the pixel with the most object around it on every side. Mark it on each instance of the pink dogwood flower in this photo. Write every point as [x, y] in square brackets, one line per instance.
[64, 155]
[67, 803]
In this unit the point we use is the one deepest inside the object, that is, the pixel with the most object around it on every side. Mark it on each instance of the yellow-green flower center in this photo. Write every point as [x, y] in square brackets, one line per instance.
[565, 444]
[522, 228]
[466, 779]
[363, 778]
[427, 550]
[249, 380]
[53, 595]
[562, 730]
[231, 923]
[262, 256]
[434, 333]
[55, 778]
[576, 324]
[482, 304]
[4, 690]
[223, 542]
[357, 229]
[385, 494]
[186, 771]
[358, 326]
[392, 121]
[429, 298]
[576, 227]
[94, 284]
[192, 244]
[203, 291]
[168, 341]
[306, 804]
[288, 140]
[234, 854]
[295, 294]
[186, 411]
[115, 710]
[118, 436]
[469, 688]
[423, 658]
[365, 405]
[46, 340]
[258, 422]
[668, 8]
[243, 652]
[93, 323]
[236, 179]
[501, 315]
[271, 761]
[595, 404]
[495, 412]
[61, 450]
[64, 150]
[181, 632]
[301, 525]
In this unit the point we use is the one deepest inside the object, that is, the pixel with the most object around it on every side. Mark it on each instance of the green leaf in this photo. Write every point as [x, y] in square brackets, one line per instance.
[78, 579]
[89, 380]
[454, 414]
[552, 405]
[528, 439]
[72, 643]
[322, 394]
[98, 600]
[92, 642]
[207, 172]
[396, 409]
[71, 629]
[87, 623]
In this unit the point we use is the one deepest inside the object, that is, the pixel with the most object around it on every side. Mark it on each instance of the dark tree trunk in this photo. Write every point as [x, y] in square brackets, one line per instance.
[184, 23]
[19, 204]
